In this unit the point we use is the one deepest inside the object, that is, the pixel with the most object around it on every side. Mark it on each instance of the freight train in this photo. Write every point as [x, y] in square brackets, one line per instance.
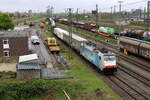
[104, 31]
[134, 33]
[135, 46]
[107, 31]
[98, 56]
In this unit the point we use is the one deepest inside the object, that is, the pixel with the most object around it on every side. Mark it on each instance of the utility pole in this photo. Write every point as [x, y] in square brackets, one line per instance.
[96, 14]
[77, 18]
[120, 2]
[65, 12]
[52, 8]
[114, 9]
[114, 17]
[48, 11]
[140, 13]
[144, 12]
[148, 16]
[70, 32]
[84, 14]
[111, 15]
[111, 9]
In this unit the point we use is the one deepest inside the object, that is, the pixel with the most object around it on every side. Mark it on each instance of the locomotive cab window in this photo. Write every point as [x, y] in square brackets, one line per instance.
[99, 57]
[109, 58]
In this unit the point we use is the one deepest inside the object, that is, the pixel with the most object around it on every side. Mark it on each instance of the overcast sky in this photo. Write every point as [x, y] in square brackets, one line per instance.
[60, 5]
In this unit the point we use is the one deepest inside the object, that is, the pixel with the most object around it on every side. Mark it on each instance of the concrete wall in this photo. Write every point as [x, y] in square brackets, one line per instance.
[8, 67]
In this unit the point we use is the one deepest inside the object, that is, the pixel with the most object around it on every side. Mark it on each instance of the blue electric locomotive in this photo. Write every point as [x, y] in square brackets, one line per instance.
[99, 56]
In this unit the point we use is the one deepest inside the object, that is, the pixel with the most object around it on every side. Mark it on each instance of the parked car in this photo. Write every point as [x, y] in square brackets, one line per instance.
[35, 40]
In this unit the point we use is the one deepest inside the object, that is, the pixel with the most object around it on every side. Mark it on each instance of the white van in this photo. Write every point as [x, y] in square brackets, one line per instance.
[35, 40]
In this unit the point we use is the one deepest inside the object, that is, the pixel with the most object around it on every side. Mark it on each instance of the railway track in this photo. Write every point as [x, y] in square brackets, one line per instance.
[134, 85]
[137, 76]
[123, 84]
[135, 62]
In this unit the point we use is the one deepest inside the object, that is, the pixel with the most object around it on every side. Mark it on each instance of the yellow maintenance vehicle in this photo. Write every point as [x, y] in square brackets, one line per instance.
[52, 45]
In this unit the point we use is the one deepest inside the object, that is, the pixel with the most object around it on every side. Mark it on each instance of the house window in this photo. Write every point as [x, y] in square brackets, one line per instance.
[5, 41]
[6, 53]
[5, 44]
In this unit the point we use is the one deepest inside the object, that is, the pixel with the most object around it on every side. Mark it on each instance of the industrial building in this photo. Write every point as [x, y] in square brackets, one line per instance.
[12, 45]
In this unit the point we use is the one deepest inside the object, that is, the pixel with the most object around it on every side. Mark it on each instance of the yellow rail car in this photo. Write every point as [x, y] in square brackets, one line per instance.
[52, 45]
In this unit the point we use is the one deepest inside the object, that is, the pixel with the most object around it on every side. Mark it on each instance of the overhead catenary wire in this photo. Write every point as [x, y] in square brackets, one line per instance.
[124, 5]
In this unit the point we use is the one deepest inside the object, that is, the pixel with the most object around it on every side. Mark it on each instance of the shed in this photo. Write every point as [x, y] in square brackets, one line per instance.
[28, 67]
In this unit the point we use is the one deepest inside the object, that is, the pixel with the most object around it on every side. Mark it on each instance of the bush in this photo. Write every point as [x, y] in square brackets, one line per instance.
[25, 90]
[22, 90]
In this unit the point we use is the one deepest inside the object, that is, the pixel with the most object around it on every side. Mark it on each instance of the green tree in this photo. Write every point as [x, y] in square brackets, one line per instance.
[6, 22]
